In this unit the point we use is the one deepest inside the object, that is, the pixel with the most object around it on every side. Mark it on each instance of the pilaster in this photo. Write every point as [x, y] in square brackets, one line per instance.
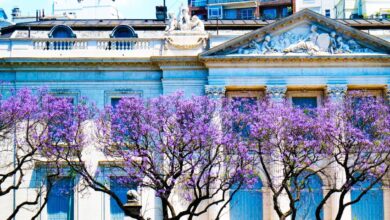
[214, 91]
[336, 92]
[276, 93]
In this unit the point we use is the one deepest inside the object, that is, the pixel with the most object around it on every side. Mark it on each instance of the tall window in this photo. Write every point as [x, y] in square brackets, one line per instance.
[371, 206]
[60, 204]
[120, 189]
[310, 197]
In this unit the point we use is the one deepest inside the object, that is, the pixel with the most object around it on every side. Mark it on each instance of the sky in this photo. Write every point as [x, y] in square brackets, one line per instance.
[127, 8]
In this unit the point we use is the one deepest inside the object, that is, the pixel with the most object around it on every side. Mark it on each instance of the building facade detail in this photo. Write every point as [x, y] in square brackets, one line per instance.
[302, 41]
[336, 92]
[215, 91]
[276, 93]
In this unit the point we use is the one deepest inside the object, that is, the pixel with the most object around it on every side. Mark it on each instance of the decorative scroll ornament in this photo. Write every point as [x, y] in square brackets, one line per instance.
[215, 91]
[336, 91]
[276, 92]
[297, 41]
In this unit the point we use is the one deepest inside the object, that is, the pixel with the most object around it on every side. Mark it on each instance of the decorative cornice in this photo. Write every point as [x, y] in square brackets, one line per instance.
[382, 59]
[277, 92]
[336, 91]
[213, 91]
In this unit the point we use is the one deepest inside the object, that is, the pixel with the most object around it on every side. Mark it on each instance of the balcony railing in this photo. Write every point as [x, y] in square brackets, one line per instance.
[96, 47]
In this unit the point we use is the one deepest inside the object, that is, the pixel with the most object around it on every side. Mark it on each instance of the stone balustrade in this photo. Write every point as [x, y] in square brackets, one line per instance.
[92, 47]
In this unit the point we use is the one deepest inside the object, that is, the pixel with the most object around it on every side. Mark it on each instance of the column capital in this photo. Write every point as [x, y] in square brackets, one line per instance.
[214, 91]
[336, 91]
[276, 92]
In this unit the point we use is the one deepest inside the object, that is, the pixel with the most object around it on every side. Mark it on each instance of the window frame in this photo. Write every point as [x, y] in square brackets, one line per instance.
[319, 94]
[120, 93]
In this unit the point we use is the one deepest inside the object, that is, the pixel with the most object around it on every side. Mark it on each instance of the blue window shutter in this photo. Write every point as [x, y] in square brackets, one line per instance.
[121, 191]
[60, 205]
[370, 206]
[310, 197]
[247, 203]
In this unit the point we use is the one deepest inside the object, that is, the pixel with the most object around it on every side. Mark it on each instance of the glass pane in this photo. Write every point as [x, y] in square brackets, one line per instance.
[60, 200]
[115, 102]
[270, 13]
[305, 102]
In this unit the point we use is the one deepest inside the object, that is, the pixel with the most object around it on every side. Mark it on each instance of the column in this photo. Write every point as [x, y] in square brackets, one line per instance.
[217, 92]
[336, 94]
[277, 93]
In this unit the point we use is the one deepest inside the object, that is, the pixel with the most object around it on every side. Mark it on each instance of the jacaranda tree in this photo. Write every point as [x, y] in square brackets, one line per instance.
[27, 130]
[287, 142]
[175, 146]
[358, 132]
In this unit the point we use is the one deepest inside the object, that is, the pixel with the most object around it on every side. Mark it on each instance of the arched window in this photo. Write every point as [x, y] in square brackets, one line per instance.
[120, 32]
[370, 206]
[61, 31]
[310, 197]
[123, 31]
[247, 203]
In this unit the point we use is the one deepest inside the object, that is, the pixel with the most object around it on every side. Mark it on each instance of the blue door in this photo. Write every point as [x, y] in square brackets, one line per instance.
[247, 203]
[310, 197]
[60, 200]
[370, 206]
[121, 191]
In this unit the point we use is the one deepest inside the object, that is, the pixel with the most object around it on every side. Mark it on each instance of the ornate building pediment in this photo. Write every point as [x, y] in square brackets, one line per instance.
[305, 33]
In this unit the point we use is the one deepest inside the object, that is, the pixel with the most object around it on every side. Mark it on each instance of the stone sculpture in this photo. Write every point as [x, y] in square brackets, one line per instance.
[183, 22]
[333, 43]
[184, 19]
[132, 196]
[315, 42]
[308, 45]
[196, 24]
[172, 22]
[341, 46]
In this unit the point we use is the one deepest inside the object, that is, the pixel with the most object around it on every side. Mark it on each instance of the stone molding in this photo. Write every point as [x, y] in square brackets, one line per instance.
[276, 92]
[337, 91]
[215, 91]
